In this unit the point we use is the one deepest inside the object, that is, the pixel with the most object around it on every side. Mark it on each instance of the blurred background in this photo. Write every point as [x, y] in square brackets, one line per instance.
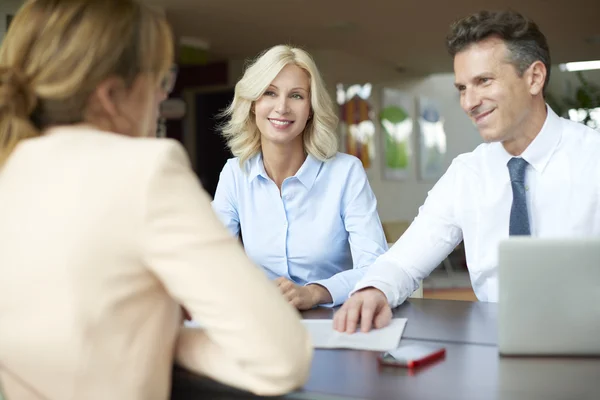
[385, 64]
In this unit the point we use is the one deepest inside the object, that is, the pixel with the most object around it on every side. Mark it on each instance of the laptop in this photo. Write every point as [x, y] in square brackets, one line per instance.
[549, 296]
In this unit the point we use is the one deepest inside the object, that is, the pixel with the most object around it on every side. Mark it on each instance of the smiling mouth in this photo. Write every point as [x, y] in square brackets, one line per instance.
[280, 122]
[481, 116]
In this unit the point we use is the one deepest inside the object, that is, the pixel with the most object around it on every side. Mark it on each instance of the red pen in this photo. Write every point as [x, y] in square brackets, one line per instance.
[412, 356]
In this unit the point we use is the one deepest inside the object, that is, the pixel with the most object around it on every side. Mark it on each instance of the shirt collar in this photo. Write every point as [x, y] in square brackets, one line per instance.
[255, 167]
[540, 150]
[307, 174]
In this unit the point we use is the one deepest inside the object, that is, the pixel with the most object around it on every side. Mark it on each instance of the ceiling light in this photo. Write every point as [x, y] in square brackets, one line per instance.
[580, 66]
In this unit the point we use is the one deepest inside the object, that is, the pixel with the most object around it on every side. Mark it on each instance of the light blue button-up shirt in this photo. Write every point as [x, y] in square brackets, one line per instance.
[323, 227]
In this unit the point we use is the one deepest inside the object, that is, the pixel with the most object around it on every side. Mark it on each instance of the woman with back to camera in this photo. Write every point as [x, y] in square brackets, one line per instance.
[306, 213]
[105, 234]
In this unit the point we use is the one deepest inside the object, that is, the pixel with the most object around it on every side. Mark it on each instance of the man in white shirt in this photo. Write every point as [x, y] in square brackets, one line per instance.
[537, 174]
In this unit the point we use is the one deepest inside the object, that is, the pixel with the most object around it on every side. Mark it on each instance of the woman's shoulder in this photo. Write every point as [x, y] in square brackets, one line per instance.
[95, 146]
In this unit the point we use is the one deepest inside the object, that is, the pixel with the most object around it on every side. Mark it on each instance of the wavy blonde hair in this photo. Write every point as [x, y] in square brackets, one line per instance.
[56, 52]
[240, 130]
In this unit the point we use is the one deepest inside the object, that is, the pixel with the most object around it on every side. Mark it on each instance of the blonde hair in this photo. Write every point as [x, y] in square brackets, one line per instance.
[56, 52]
[240, 130]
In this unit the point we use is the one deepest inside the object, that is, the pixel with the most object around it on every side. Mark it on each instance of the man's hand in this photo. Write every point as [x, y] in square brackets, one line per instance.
[303, 297]
[368, 305]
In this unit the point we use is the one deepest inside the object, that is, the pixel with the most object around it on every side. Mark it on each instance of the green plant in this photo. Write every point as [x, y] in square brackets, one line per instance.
[586, 97]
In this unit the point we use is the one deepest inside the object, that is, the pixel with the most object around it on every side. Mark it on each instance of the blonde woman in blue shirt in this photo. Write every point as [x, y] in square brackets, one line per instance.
[306, 213]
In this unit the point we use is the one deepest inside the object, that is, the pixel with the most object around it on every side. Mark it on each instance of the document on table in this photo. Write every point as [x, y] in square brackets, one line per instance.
[325, 337]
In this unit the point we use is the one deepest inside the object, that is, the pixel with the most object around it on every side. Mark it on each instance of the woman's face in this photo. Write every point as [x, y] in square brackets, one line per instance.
[283, 110]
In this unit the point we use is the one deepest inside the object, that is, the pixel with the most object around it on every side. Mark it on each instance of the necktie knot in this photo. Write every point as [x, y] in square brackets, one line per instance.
[516, 169]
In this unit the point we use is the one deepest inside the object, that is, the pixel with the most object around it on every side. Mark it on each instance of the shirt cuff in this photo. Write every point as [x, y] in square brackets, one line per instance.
[391, 295]
[338, 292]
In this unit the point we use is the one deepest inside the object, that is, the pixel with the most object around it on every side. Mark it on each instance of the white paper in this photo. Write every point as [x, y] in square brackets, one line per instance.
[325, 337]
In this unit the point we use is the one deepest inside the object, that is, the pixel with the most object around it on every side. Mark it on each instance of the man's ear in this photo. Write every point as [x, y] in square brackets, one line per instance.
[536, 77]
[108, 94]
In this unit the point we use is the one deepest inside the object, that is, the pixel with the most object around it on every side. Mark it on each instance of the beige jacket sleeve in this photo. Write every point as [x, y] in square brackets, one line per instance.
[252, 339]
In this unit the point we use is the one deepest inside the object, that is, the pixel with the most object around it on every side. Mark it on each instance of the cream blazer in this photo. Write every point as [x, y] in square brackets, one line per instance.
[102, 238]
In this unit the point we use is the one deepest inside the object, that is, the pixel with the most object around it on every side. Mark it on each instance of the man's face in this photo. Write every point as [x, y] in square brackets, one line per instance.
[494, 96]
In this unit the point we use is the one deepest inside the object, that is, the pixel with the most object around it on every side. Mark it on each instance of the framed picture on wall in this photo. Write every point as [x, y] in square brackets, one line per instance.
[397, 119]
[357, 129]
[432, 140]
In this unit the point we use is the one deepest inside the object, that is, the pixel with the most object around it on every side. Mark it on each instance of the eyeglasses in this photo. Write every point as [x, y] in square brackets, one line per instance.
[168, 82]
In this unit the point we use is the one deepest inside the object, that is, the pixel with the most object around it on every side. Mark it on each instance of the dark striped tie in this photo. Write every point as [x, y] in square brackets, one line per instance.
[519, 217]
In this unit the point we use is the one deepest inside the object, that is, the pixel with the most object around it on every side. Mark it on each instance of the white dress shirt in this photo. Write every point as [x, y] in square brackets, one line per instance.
[472, 202]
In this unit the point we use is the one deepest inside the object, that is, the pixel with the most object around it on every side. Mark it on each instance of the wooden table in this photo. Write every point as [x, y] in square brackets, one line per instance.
[472, 368]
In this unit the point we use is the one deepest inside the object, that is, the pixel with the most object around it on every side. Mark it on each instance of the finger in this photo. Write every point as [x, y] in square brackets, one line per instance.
[366, 317]
[289, 289]
[279, 281]
[339, 319]
[288, 294]
[353, 316]
[287, 285]
[384, 317]
[295, 301]
[285, 289]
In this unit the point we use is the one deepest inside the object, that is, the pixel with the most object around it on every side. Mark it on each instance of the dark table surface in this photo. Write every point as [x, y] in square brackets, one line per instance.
[472, 368]
[440, 320]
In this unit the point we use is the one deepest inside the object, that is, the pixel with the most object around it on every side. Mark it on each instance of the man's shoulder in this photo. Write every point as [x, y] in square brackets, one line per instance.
[581, 135]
